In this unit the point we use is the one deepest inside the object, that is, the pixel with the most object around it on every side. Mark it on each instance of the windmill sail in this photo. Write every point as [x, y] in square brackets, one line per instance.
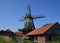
[29, 10]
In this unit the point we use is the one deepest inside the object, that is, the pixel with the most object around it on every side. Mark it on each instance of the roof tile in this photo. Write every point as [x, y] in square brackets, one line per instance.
[41, 30]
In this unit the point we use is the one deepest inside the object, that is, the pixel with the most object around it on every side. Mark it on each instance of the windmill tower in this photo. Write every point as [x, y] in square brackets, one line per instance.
[28, 20]
[29, 24]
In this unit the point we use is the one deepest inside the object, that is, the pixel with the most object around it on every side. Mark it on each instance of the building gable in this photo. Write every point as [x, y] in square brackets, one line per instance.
[54, 30]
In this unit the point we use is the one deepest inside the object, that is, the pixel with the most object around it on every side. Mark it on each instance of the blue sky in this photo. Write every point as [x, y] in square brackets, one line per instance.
[12, 10]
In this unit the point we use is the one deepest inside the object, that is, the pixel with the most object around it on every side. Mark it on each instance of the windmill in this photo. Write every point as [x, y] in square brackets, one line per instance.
[28, 19]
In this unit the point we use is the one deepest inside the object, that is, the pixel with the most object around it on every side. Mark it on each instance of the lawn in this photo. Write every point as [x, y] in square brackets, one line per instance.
[6, 39]
[55, 40]
[26, 40]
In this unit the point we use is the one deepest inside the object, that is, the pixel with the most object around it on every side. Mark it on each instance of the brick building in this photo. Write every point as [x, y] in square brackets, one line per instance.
[45, 33]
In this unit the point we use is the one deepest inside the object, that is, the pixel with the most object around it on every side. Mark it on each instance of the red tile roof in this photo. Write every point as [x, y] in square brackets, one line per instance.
[19, 33]
[41, 30]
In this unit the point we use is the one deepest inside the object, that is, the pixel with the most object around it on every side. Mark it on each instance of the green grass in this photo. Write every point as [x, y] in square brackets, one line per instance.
[6, 39]
[55, 40]
[26, 41]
